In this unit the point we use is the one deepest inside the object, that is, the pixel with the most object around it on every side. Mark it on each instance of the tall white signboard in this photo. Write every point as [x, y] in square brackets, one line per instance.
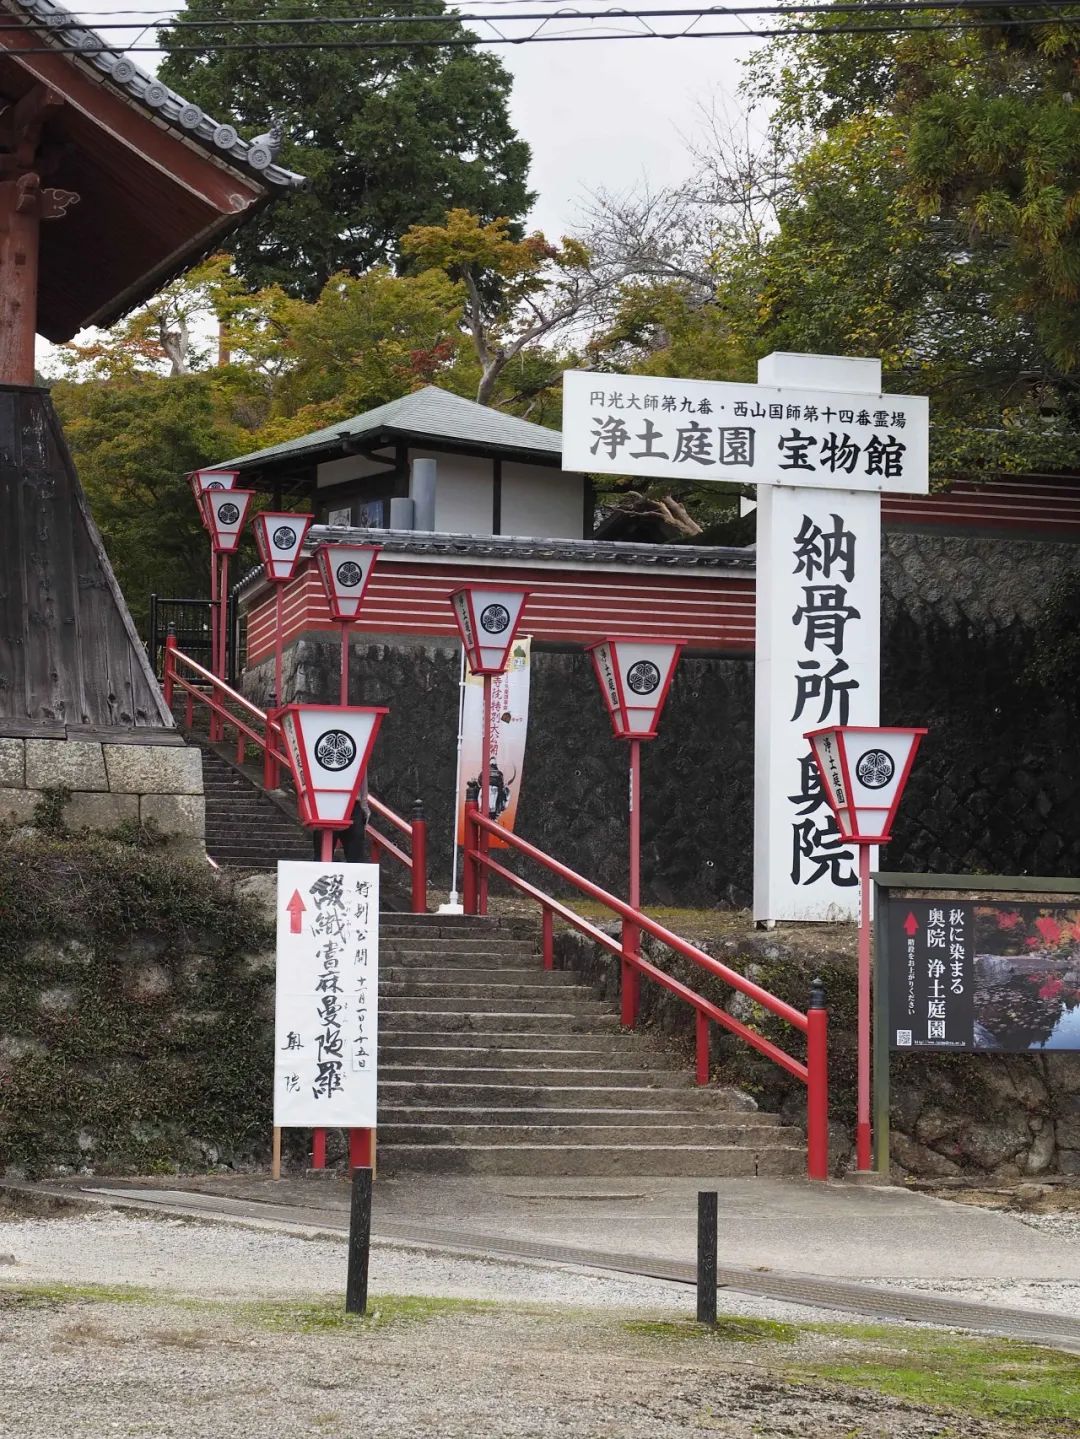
[821, 443]
[327, 1007]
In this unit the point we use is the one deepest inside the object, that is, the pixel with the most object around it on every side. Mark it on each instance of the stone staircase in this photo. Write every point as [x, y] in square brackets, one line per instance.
[490, 1065]
[245, 829]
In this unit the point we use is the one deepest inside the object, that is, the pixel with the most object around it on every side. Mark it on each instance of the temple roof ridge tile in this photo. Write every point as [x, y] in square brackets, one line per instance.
[70, 35]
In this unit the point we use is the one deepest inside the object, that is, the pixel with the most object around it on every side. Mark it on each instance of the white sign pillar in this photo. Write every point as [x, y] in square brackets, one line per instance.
[817, 659]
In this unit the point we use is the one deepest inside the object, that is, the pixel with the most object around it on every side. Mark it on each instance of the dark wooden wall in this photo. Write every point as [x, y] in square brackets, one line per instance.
[69, 653]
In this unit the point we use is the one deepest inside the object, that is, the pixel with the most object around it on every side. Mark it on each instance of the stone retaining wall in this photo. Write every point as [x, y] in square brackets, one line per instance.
[153, 785]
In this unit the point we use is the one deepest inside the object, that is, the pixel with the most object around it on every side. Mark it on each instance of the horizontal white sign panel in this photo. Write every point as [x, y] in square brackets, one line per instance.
[749, 434]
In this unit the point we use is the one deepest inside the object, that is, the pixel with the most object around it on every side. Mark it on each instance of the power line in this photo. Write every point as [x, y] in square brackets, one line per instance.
[845, 7]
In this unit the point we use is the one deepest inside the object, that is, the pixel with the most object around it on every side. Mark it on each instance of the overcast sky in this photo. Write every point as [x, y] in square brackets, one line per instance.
[604, 114]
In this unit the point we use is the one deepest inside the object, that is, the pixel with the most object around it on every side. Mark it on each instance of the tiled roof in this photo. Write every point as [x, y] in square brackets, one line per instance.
[430, 413]
[67, 32]
[526, 549]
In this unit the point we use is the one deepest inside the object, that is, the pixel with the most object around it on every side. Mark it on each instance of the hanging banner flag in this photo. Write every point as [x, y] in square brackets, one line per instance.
[509, 726]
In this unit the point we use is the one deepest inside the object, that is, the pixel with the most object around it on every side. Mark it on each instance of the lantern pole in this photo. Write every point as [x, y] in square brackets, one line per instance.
[631, 979]
[485, 791]
[343, 697]
[223, 644]
[279, 642]
[863, 1133]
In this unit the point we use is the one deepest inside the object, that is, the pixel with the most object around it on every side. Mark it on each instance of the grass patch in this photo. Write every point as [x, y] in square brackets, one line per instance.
[319, 1316]
[990, 1378]
[731, 1328]
[43, 1296]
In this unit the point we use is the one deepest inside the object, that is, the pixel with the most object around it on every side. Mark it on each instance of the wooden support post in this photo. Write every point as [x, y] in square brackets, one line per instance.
[706, 1255]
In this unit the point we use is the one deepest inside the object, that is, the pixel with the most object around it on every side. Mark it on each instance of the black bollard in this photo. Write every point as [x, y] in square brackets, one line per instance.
[359, 1243]
[706, 1256]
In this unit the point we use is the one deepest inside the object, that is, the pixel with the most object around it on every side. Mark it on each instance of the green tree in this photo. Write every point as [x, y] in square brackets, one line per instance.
[387, 138]
[931, 221]
[133, 440]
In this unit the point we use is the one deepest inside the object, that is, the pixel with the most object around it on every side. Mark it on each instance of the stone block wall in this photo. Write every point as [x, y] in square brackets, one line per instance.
[108, 784]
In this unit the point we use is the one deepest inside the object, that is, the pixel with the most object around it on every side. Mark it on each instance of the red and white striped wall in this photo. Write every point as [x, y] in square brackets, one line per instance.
[712, 610]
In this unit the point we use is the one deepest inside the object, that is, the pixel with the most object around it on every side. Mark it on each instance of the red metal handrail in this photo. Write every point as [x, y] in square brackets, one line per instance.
[270, 741]
[814, 1023]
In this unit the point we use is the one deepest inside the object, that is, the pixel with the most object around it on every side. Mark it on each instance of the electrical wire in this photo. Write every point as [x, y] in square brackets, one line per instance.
[615, 30]
[843, 7]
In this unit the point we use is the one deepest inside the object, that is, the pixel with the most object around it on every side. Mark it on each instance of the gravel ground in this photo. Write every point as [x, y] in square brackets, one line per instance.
[1064, 1225]
[208, 1352]
[87, 1370]
[231, 1262]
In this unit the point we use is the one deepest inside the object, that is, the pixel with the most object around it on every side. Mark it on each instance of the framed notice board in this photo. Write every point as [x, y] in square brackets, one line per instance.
[976, 964]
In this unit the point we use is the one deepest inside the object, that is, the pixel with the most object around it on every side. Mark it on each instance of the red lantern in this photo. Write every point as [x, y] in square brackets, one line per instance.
[279, 539]
[488, 617]
[226, 511]
[345, 571]
[328, 750]
[635, 677]
[863, 773]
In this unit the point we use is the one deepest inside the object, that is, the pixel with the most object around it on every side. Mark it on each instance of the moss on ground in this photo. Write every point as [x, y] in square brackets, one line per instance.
[988, 1378]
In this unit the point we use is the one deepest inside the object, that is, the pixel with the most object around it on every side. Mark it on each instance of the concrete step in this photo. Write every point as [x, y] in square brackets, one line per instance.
[462, 979]
[623, 1135]
[488, 1049]
[718, 1161]
[479, 943]
[463, 1004]
[509, 991]
[464, 969]
[416, 1018]
[455, 1116]
[574, 1076]
[487, 1094]
[463, 1058]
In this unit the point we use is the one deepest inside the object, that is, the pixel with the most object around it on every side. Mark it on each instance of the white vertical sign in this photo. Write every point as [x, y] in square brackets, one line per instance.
[327, 1003]
[817, 663]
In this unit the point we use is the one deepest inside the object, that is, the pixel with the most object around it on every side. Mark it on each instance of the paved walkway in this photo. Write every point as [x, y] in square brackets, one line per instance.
[828, 1245]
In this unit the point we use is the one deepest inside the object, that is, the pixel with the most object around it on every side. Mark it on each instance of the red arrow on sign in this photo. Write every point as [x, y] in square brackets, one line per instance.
[296, 908]
[911, 924]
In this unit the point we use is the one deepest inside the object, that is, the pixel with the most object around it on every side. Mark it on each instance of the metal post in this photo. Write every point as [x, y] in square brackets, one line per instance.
[882, 1027]
[863, 1133]
[817, 1084]
[214, 629]
[485, 797]
[327, 846]
[279, 640]
[361, 1149]
[468, 858]
[318, 1149]
[418, 827]
[706, 1255]
[547, 930]
[356, 1280]
[343, 698]
[701, 1028]
[168, 669]
[223, 644]
[631, 980]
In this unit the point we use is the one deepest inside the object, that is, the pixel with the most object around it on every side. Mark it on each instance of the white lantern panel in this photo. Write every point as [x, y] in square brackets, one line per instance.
[281, 538]
[877, 762]
[488, 619]
[346, 570]
[335, 743]
[826, 749]
[463, 615]
[604, 662]
[216, 479]
[227, 510]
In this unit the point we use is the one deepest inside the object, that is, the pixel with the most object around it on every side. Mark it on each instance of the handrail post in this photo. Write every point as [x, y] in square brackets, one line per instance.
[817, 1084]
[468, 863]
[167, 679]
[270, 765]
[631, 979]
[547, 929]
[418, 827]
[701, 1068]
